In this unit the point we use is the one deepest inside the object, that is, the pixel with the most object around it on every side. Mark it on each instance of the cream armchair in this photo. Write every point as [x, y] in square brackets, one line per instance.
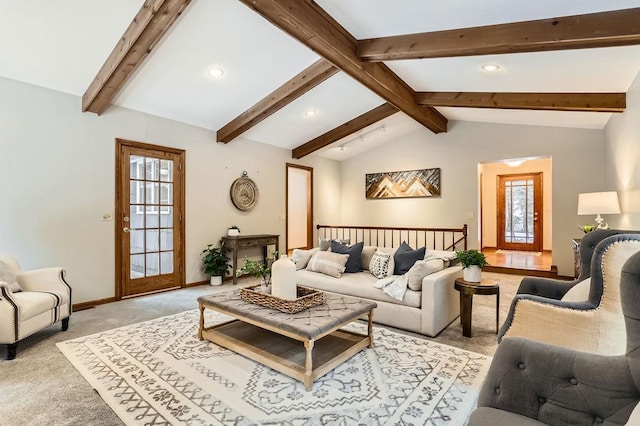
[30, 301]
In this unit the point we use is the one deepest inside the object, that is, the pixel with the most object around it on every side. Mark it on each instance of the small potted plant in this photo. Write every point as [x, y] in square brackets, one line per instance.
[587, 228]
[472, 262]
[215, 262]
[258, 269]
[233, 231]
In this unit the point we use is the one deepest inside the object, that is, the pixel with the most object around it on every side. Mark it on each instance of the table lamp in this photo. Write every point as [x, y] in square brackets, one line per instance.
[597, 203]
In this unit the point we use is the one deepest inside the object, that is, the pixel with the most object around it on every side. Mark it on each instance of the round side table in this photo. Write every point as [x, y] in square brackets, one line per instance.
[467, 290]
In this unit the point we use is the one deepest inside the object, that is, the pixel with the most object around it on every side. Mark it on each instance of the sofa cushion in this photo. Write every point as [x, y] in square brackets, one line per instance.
[7, 275]
[328, 263]
[354, 252]
[367, 254]
[356, 285]
[325, 244]
[379, 265]
[421, 269]
[301, 257]
[405, 257]
[34, 303]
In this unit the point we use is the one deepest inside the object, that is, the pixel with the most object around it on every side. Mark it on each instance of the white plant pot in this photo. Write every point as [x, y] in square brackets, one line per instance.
[233, 232]
[472, 274]
[215, 280]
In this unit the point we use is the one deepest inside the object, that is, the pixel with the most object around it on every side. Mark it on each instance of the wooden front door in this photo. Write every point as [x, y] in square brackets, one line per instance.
[149, 218]
[520, 212]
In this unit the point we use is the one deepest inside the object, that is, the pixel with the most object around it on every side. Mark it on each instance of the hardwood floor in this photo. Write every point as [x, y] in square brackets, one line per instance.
[520, 262]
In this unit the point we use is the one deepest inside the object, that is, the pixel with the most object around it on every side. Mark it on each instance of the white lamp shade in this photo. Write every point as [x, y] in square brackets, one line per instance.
[598, 203]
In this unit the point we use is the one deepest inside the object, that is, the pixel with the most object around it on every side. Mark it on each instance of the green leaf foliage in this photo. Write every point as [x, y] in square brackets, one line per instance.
[471, 257]
[214, 260]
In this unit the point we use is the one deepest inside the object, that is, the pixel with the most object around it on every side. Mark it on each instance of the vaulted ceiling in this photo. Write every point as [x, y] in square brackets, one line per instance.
[360, 65]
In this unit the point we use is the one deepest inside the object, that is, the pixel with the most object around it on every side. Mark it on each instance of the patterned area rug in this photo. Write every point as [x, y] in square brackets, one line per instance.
[159, 373]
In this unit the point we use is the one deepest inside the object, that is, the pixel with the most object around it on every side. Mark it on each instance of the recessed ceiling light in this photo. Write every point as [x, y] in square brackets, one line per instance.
[216, 72]
[310, 113]
[490, 67]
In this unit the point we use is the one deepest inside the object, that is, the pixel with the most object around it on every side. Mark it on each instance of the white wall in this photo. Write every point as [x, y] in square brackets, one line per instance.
[57, 168]
[622, 160]
[490, 171]
[577, 167]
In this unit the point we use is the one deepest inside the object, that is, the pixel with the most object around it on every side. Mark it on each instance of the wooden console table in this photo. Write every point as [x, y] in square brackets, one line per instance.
[249, 241]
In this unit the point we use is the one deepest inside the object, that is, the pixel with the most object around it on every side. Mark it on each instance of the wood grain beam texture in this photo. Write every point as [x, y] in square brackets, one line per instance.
[606, 29]
[310, 24]
[279, 98]
[344, 130]
[151, 22]
[594, 102]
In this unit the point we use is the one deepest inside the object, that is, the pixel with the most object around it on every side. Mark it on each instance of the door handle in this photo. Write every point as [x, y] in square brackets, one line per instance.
[126, 230]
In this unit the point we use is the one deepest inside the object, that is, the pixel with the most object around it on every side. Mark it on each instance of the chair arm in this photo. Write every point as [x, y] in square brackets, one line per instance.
[545, 287]
[568, 324]
[45, 279]
[5, 292]
[556, 385]
[518, 298]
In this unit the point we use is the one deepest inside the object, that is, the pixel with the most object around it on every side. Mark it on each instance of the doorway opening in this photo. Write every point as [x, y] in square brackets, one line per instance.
[515, 215]
[299, 200]
[149, 221]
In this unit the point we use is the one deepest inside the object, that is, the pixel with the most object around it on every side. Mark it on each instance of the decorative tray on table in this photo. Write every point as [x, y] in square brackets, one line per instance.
[307, 298]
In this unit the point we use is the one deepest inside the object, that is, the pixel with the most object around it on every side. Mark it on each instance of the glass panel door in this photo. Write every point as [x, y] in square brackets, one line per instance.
[151, 218]
[519, 211]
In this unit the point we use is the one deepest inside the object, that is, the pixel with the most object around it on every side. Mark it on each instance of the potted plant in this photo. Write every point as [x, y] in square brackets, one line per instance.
[258, 269]
[233, 231]
[215, 262]
[472, 262]
[587, 228]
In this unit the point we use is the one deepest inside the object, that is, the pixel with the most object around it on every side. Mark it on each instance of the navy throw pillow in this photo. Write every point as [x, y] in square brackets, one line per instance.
[405, 257]
[354, 252]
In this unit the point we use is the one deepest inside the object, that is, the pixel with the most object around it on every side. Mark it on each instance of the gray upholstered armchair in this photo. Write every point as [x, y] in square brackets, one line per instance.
[555, 289]
[30, 301]
[593, 323]
[532, 383]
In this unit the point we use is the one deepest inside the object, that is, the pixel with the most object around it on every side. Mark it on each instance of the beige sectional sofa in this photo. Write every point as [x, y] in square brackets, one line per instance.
[428, 311]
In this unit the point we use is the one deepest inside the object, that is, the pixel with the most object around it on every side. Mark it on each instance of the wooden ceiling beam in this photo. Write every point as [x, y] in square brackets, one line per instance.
[311, 25]
[151, 22]
[594, 102]
[605, 29]
[344, 130]
[279, 98]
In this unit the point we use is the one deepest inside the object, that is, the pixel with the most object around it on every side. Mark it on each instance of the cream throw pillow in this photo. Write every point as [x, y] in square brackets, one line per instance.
[328, 263]
[379, 265]
[579, 292]
[421, 269]
[8, 277]
[301, 257]
[367, 255]
[392, 263]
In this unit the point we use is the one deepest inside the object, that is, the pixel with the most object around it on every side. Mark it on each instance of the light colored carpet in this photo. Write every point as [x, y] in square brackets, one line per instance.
[41, 387]
[158, 372]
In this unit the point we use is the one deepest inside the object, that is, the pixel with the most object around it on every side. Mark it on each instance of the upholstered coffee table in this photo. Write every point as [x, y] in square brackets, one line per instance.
[274, 338]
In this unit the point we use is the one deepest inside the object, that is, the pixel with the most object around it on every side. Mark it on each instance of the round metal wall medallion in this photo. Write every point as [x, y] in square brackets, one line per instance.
[244, 193]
